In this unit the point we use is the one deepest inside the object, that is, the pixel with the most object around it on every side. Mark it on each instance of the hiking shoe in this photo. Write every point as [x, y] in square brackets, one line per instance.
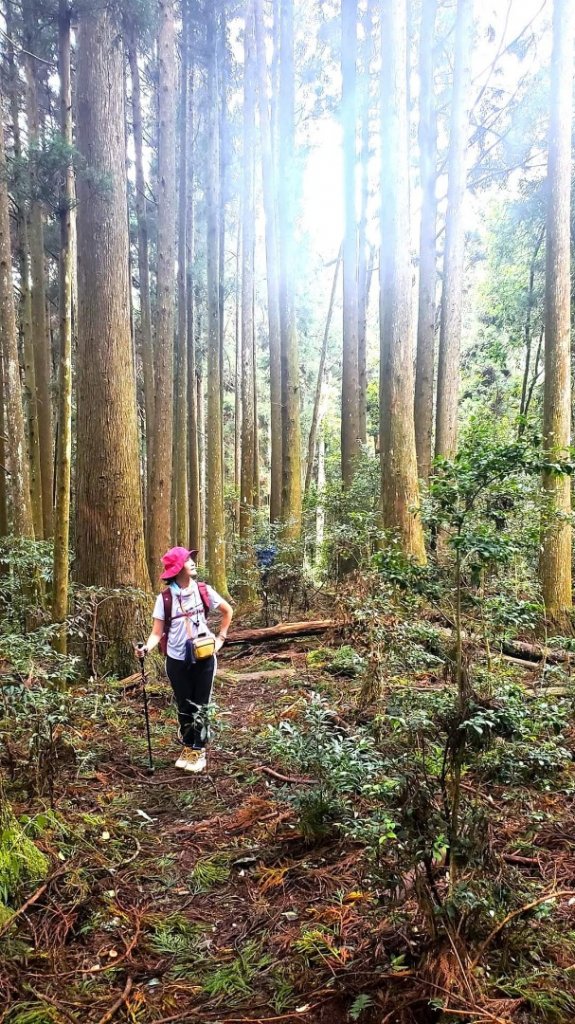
[196, 761]
[186, 754]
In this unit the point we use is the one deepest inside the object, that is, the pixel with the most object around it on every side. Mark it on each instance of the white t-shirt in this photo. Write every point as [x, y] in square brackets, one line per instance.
[186, 604]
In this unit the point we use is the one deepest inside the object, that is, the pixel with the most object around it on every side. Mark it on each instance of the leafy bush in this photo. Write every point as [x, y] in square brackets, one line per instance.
[340, 763]
[522, 762]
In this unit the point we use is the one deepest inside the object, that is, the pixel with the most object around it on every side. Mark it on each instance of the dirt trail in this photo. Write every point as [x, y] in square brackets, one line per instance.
[182, 896]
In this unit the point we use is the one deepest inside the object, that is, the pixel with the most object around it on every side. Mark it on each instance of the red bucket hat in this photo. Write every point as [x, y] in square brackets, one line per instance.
[174, 560]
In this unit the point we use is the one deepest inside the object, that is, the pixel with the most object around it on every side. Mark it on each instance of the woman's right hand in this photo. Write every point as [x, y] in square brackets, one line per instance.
[141, 651]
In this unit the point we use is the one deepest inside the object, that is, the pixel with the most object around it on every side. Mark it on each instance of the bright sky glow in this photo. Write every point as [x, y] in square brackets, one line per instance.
[322, 187]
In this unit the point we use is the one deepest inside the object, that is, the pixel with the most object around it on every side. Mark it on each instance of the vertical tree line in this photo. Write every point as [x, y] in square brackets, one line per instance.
[179, 397]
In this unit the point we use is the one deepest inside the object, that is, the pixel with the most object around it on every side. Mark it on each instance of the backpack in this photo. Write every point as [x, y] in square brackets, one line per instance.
[167, 598]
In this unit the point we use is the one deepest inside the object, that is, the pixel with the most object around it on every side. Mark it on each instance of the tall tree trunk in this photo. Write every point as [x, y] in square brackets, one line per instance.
[109, 521]
[257, 498]
[181, 421]
[350, 367]
[365, 261]
[223, 133]
[15, 436]
[31, 402]
[238, 372]
[42, 359]
[272, 269]
[147, 348]
[425, 363]
[315, 418]
[248, 445]
[448, 372]
[290, 373]
[160, 495]
[399, 490]
[3, 454]
[215, 540]
[555, 565]
[194, 490]
[64, 442]
[275, 83]
[201, 405]
[364, 293]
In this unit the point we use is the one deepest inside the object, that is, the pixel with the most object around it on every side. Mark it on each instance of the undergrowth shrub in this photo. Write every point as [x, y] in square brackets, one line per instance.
[338, 762]
[21, 862]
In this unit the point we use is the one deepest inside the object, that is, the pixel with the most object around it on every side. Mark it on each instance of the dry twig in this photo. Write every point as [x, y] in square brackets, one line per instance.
[516, 913]
[29, 902]
[119, 1002]
[296, 780]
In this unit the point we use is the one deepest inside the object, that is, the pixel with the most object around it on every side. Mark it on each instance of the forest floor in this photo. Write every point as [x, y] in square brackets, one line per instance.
[173, 897]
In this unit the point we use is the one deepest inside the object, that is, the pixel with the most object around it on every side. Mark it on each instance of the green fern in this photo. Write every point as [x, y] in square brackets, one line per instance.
[315, 945]
[235, 979]
[209, 872]
[177, 938]
[284, 993]
[544, 995]
[361, 1003]
[172, 936]
[32, 1013]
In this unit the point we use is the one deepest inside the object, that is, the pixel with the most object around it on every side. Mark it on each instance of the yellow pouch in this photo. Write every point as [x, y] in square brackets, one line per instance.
[204, 647]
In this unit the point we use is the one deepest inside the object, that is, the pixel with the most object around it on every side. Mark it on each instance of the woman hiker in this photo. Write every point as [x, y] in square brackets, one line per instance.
[181, 629]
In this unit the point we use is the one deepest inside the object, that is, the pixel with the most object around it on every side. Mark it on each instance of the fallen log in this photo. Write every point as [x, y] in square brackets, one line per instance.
[255, 677]
[535, 652]
[283, 631]
[515, 649]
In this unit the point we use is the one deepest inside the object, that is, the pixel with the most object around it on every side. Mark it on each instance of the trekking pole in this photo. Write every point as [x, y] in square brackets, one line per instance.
[147, 717]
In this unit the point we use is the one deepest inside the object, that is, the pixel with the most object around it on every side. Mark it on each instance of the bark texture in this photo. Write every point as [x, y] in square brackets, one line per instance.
[290, 372]
[399, 488]
[365, 253]
[425, 364]
[64, 443]
[272, 269]
[42, 357]
[247, 292]
[350, 429]
[3, 454]
[15, 443]
[146, 342]
[215, 521]
[160, 494]
[556, 535]
[180, 498]
[194, 493]
[448, 372]
[23, 259]
[109, 522]
[248, 424]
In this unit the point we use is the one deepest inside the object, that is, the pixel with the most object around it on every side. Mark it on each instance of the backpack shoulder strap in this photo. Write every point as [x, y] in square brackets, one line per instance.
[167, 599]
[203, 589]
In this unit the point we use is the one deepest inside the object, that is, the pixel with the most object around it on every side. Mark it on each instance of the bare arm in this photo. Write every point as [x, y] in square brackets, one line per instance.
[227, 613]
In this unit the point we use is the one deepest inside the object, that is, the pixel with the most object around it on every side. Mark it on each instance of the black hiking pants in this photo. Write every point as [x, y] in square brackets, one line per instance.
[193, 690]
